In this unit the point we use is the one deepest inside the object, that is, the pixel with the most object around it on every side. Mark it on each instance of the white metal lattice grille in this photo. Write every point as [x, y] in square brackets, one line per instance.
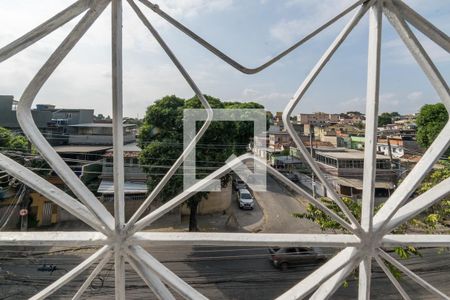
[125, 241]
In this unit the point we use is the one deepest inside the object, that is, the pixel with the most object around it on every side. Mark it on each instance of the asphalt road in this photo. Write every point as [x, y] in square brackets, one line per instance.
[217, 272]
[278, 205]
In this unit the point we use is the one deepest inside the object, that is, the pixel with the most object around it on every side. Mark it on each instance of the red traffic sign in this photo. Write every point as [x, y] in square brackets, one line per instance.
[23, 212]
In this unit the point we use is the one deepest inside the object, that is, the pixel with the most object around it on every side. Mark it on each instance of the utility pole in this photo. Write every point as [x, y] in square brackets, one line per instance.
[313, 184]
[389, 150]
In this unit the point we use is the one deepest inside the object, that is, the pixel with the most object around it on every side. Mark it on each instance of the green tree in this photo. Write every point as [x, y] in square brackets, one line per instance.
[11, 141]
[430, 121]
[326, 223]
[438, 214]
[384, 119]
[161, 138]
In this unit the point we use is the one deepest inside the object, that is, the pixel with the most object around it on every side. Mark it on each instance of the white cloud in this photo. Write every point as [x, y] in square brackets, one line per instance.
[353, 104]
[249, 93]
[417, 95]
[193, 8]
[389, 102]
[314, 14]
[396, 51]
[273, 100]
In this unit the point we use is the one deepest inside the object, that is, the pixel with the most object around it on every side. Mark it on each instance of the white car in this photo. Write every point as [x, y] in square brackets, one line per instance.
[245, 199]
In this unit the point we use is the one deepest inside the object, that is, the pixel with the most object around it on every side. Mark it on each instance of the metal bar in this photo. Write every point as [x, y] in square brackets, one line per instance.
[419, 204]
[118, 166]
[365, 277]
[177, 200]
[244, 239]
[418, 52]
[66, 278]
[299, 95]
[197, 137]
[329, 287]
[412, 181]
[170, 278]
[153, 281]
[442, 141]
[180, 198]
[413, 276]
[316, 202]
[416, 240]
[423, 25]
[370, 147]
[338, 262]
[392, 278]
[28, 126]
[101, 264]
[117, 104]
[234, 63]
[372, 103]
[52, 238]
[51, 192]
[44, 29]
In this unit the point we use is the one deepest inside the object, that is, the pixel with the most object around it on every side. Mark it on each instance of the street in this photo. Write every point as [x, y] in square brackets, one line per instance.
[278, 205]
[217, 272]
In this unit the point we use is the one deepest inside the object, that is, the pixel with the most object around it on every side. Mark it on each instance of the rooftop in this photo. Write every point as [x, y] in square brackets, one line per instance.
[100, 125]
[129, 150]
[358, 183]
[80, 148]
[349, 154]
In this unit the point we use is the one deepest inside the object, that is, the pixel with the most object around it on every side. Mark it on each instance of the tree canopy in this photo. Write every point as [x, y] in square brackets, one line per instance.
[11, 141]
[384, 119]
[430, 121]
[161, 138]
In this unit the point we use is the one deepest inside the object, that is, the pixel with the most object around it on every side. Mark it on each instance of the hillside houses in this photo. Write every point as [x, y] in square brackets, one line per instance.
[337, 142]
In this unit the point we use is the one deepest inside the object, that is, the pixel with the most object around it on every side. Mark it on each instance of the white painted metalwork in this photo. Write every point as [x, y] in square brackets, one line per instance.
[125, 241]
[370, 144]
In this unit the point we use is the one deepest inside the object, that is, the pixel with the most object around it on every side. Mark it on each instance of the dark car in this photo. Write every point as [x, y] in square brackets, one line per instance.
[284, 257]
[239, 184]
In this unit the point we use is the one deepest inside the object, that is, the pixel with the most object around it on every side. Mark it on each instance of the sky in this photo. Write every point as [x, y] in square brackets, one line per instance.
[250, 31]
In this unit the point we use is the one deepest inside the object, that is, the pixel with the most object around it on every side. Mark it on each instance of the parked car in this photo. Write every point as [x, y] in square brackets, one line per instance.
[239, 183]
[284, 257]
[245, 199]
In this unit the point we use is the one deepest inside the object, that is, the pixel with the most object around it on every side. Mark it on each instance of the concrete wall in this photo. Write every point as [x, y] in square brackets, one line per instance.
[306, 181]
[75, 116]
[217, 202]
[329, 139]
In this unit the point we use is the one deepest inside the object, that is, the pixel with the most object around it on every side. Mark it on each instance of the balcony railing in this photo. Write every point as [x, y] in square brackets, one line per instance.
[124, 242]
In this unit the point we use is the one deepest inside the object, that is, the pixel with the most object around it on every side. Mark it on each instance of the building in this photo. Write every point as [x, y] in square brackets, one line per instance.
[65, 126]
[286, 162]
[318, 118]
[260, 146]
[135, 177]
[398, 146]
[8, 118]
[279, 141]
[46, 116]
[345, 169]
[98, 134]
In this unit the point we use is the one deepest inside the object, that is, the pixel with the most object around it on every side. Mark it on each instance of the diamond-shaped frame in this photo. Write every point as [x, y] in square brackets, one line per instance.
[125, 241]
